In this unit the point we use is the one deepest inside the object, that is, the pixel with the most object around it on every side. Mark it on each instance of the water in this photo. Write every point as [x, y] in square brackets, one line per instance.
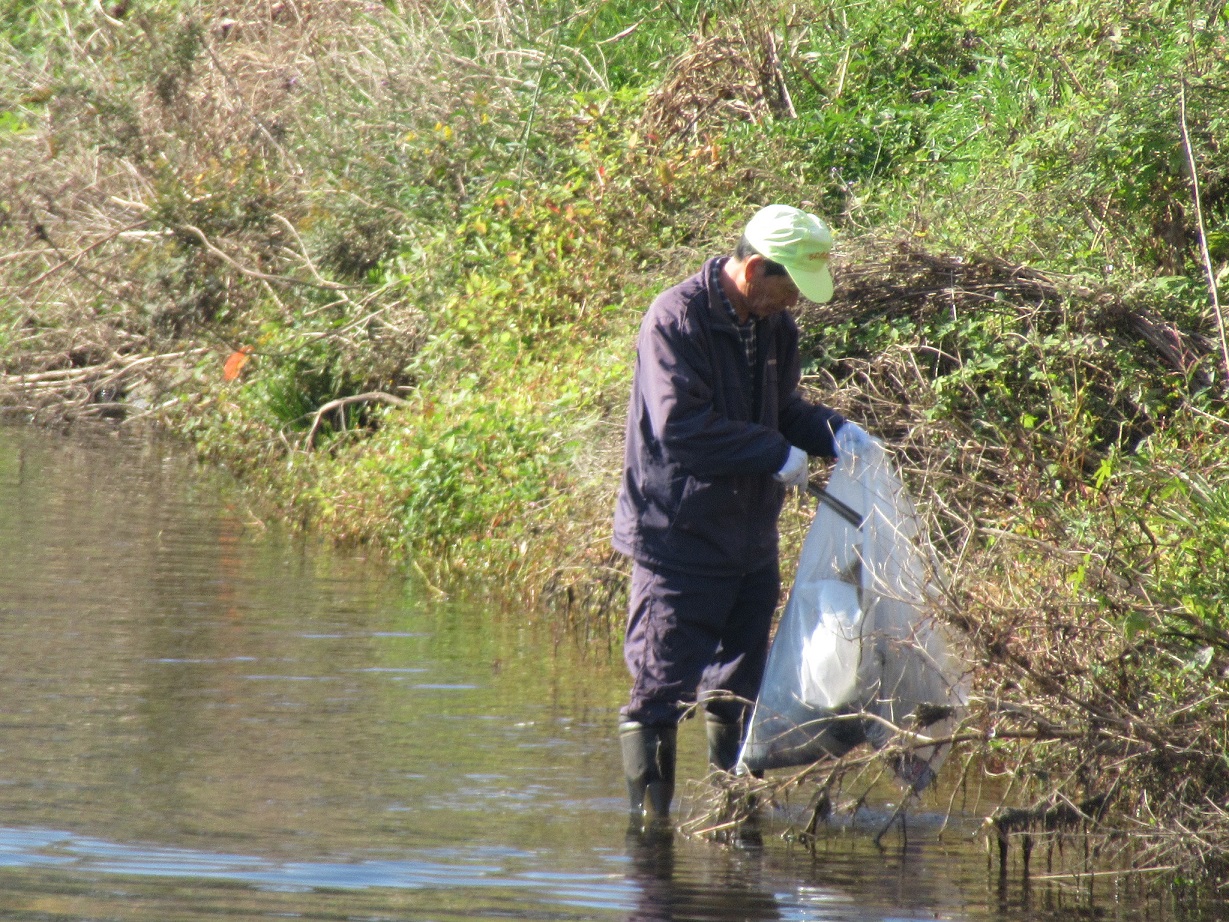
[202, 718]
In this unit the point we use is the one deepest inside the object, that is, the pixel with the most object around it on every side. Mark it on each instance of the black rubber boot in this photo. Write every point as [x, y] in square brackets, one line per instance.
[725, 742]
[648, 762]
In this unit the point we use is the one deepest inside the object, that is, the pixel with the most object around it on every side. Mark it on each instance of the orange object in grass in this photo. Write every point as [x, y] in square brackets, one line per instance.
[236, 361]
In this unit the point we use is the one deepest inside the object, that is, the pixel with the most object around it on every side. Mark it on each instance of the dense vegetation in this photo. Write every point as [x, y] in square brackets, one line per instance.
[386, 262]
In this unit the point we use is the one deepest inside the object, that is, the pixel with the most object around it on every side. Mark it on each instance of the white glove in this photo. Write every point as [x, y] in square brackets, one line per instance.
[794, 471]
[852, 439]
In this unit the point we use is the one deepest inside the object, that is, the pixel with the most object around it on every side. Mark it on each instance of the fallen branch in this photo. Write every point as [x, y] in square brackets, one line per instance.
[72, 260]
[343, 402]
[256, 273]
[150, 359]
[1050, 817]
[43, 378]
[79, 387]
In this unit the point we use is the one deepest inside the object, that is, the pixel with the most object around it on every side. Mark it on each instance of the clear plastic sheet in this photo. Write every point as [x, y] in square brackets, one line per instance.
[858, 651]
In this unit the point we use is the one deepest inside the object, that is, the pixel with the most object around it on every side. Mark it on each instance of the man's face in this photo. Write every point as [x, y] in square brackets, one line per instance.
[769, 294]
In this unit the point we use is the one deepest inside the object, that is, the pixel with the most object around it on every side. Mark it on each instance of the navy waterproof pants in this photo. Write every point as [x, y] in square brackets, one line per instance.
[689, 636]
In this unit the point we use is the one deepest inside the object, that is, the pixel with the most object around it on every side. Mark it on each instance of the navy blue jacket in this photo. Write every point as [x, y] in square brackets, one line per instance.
[705, 434]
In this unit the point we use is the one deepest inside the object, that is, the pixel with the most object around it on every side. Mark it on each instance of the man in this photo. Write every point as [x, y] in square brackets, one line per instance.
[716, 432]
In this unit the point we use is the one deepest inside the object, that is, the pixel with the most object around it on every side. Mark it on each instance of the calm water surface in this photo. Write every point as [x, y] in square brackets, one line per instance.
[201, 718]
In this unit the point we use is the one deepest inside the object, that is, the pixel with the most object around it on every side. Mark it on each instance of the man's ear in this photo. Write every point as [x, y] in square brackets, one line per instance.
[753, 265]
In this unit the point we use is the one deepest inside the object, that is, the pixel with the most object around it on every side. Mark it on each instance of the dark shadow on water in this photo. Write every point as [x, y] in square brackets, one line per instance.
[669, 891]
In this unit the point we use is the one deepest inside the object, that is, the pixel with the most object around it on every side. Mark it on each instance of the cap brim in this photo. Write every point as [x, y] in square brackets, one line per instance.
[815, 284]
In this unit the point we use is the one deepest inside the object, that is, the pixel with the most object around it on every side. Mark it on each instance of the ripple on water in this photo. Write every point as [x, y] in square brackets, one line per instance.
[393, 756]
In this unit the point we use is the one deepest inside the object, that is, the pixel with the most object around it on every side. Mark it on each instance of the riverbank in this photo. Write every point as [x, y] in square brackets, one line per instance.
[387, 269]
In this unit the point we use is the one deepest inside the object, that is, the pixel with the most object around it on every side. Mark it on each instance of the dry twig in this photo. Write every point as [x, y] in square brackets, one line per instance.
[1203, 235]
[341, 403]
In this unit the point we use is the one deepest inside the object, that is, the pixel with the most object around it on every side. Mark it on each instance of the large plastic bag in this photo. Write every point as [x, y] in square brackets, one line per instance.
[858, 651]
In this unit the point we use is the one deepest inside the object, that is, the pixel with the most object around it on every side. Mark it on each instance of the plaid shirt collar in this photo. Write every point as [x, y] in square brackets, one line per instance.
[746, 330]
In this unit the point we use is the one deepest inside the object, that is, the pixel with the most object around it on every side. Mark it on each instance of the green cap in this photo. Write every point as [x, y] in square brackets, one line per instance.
[798, 241]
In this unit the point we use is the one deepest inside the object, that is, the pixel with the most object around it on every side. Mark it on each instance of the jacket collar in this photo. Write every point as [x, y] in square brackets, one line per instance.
[720, 317]
[719, 314]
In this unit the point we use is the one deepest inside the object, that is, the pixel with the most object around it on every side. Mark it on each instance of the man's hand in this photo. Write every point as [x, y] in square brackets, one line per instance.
[794, 471]
[852, 440]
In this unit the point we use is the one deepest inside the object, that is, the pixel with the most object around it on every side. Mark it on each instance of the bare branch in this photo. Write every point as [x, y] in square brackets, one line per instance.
[343, 402]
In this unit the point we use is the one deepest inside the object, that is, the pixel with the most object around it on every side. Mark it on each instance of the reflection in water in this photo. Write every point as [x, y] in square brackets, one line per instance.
[202, 718]
[457, 869]
[664, 896]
